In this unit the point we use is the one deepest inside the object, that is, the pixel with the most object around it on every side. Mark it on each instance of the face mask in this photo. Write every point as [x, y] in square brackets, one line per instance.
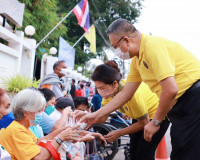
[65, 71]
[49, 109]
[106, 93]
[122, 55]
[38, 118]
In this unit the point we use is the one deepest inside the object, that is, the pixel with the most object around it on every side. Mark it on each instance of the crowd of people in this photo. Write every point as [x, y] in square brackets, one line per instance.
[162, 87]
[44, 113]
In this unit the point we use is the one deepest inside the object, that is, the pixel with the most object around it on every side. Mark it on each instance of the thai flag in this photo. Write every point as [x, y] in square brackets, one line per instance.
[81, 11]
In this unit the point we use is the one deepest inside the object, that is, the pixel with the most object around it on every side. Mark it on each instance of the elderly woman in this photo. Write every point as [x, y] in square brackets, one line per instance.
[17, 139]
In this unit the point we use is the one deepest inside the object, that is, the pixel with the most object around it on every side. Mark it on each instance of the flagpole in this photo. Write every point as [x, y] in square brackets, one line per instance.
[80, 38]
[53, 29]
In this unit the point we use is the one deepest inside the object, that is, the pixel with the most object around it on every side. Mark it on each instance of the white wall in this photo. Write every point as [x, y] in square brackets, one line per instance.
[18, 56]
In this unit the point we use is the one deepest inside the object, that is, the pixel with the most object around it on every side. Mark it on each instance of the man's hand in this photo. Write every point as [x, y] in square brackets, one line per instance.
[149, 130]
[112, 136]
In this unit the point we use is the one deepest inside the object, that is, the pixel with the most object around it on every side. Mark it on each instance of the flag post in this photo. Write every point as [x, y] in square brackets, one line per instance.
[78, 40]
[53, 29]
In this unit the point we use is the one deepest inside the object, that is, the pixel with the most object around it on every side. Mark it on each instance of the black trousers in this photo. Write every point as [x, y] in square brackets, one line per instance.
[185, 130]
[143, 150]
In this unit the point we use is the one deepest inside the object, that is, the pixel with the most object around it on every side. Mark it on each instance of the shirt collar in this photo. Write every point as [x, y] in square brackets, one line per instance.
[143, 39]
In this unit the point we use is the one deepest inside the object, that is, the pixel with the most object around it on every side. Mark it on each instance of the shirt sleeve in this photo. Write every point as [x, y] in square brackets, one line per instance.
[134, 75]
[161, 60]
[47, 123]
[57, 91]
[138, 105]
[24, 145]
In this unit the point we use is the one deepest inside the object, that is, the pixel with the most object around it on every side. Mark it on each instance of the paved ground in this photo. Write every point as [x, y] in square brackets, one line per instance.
[120, 153]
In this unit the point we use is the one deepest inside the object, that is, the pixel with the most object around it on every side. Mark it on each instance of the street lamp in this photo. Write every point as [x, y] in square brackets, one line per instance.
[29, 30]
[79, 69]
[53, 50]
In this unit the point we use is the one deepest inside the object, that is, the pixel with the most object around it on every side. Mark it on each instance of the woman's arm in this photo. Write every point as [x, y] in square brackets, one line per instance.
[63, 119]
[66, 135]
[139, 125]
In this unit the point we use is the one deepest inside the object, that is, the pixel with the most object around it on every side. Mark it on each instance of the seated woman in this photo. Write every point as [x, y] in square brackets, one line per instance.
[18, 140]
[48, 124]
[6, 115]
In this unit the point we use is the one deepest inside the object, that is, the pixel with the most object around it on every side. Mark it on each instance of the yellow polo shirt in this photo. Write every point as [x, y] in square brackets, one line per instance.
[159, 59]
[19, 142]
[143, 103]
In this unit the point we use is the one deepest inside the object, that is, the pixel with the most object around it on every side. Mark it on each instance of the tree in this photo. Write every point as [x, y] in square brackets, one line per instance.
[42, 14]
[102, 13]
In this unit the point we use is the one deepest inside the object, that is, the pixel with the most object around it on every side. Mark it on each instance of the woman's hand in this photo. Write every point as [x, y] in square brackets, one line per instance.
[88, 137]
[70, 134]
[112, 136]
[68, 111]
[100, 138]
[89, 118]
[78, 114]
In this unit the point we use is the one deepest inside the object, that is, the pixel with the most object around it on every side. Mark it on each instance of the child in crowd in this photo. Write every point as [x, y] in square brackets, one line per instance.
[63, 103]
[81, 103]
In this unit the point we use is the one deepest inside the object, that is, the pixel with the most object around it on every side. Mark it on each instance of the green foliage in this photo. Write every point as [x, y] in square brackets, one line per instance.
[45, 14]
[17, 83]
[42, 14]
[102, 13]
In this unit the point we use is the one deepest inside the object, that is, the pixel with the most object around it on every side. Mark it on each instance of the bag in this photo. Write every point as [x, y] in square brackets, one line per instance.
[95, 155]
[4, 155]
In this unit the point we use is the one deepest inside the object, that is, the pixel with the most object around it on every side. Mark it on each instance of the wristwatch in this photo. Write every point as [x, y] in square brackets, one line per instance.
[58, 140]
[156, 122]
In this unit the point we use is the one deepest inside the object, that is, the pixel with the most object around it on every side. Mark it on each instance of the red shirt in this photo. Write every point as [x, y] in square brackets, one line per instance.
[79, 92]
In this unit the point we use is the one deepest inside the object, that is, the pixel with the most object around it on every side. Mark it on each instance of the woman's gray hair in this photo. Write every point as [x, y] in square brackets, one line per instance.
[27, 100]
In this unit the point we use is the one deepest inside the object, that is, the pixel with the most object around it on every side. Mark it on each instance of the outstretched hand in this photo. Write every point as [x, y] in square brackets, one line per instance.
[112, 136]
[89, 118]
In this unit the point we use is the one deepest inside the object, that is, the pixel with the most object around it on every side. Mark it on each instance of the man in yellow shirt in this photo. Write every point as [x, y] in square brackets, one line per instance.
[170, 71]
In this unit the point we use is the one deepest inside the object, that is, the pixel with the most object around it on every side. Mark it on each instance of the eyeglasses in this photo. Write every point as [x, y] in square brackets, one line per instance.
[114, 47]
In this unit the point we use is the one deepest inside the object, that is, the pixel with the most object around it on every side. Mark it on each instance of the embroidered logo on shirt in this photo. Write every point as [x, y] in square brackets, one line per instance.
[126, 108]
[145, 64]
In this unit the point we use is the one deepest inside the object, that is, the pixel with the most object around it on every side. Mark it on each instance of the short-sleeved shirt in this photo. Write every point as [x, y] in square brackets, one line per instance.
[47, 123]
[55, 115]
[19, 141]
[159, 59]
[143, 103]
[6, 120]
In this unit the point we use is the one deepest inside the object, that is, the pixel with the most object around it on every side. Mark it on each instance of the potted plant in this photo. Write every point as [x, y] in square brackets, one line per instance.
[17, 83]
